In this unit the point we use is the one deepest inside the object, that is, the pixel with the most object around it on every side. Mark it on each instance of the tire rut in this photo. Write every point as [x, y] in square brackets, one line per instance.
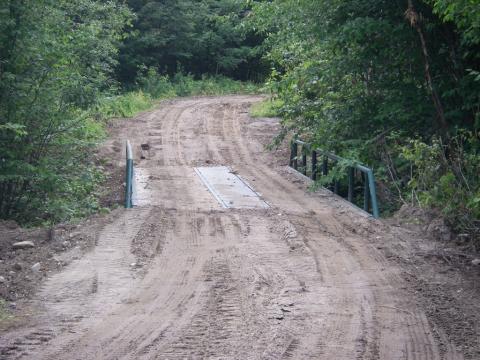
[289, 282]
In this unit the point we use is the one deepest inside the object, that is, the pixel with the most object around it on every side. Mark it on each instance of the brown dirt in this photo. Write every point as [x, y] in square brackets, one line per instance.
[54, 249]
[181, 277]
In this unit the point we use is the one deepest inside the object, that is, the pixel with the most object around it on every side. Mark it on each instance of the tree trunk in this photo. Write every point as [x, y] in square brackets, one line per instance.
[414, 19]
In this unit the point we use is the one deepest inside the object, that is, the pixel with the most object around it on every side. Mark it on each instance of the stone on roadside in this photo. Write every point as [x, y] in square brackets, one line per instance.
[476, 262]
[36, 267]
[2, 280]
[23, 245]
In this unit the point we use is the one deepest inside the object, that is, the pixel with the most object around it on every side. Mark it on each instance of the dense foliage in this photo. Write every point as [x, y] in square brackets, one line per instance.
[56, 57]
[60, 66]
[199, 36]
[394, 84]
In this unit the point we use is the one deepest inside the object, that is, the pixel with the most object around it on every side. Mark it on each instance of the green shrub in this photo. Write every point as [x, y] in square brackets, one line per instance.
[447, 178]
[157, 86]
[266, 108]
[162, 87]
[125, 105]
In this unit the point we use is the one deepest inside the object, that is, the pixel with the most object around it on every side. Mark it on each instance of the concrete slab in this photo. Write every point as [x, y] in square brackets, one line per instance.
[229, 189]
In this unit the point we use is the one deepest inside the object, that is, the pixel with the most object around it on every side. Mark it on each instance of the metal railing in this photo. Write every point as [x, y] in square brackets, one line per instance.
[129, 176]
[368, 179]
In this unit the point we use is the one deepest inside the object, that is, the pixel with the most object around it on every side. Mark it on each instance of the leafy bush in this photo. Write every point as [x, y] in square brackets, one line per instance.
[186, 85]
[56, 61]
[125, 105]
[156, 85]
[447, 178]
[361, 78]
[162, 87]
[266, 108]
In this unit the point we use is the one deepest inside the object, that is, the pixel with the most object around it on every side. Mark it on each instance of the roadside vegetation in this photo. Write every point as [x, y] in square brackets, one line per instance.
[154, 87]
[395, 85]
[68, 66]
[267, 108]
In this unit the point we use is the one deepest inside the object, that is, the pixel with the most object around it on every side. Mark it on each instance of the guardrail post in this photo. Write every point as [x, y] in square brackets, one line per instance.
[304, 160]
[369, 192]
[293, 155]
[351, 183]
[314, 165]
[373, 194]
[366, 192]
[325, 166]
[128, 176]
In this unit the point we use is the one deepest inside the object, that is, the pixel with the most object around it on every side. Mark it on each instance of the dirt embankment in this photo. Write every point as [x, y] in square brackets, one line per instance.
[180, 276]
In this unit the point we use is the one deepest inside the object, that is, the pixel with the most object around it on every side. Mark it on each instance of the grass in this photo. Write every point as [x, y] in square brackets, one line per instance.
[153, 87]
[266, 108]
[125, 105]
[186, 85]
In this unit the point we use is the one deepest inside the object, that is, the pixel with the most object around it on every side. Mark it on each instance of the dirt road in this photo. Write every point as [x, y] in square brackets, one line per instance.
[181, 277]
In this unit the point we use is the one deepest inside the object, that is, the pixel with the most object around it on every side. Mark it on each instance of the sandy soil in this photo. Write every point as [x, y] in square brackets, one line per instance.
[180, 277]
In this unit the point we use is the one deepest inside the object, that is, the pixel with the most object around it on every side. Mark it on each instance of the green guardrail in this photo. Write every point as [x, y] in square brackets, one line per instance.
[369, 190]
[129, 176]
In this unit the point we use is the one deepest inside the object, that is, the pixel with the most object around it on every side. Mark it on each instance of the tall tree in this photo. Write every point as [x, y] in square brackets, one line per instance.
[197, 36]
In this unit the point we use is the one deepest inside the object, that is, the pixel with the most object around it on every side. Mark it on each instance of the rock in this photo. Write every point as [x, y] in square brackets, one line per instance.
[66, 244]
[2, 280]
[462, 238]
[76, 234]
[23, 245]
[36, 267]
[476, 262]
[17, 267]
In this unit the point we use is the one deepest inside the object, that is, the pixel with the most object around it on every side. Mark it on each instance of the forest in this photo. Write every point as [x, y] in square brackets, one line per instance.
[391, 84]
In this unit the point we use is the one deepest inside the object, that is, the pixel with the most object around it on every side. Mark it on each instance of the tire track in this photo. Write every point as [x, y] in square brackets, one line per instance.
[290, 282]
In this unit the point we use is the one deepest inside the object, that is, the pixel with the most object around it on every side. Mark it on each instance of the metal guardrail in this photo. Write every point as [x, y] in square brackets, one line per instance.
[369, 191]
[129, 176]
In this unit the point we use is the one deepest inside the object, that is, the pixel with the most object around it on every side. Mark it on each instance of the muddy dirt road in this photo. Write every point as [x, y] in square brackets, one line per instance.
[182, 277]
